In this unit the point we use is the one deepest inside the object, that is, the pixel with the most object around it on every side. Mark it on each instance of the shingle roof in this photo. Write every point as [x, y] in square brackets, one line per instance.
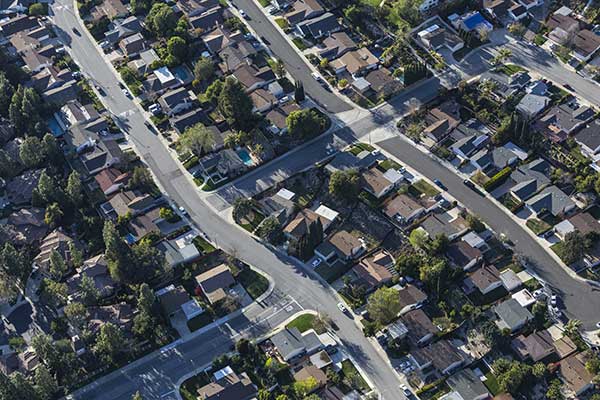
[512, 313]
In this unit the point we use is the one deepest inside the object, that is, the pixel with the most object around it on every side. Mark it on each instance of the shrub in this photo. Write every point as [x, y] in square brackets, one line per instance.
[497, 179]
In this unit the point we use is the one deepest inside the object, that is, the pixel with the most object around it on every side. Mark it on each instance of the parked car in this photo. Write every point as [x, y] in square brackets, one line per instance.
[243, 14]
[440, 184]
[405, 390]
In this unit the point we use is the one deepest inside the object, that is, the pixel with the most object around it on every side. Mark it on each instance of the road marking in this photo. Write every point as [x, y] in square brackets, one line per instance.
[167, 394]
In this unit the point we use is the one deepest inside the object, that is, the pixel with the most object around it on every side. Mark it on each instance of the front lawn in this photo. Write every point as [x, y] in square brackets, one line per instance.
[425, 188]
[491, 384]
[254, 283]
[510, 69]
[349, 370]
[332, 272]
[389, 164]
[282, 22]
[251, 222]
[303, 323]
[539, 39]
[299, 43]
[357, 148]
[203, 245]
[537, 226]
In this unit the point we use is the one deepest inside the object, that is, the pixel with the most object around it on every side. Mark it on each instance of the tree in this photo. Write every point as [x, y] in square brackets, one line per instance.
[573, 248]
[74, 188]
[24, 111]
[56, 293]
[47, 188]
[213, 91]
[384, 305]
[408, 264]
[146, 299]
[137, 396]
[235, 104]
[53, 215]
[14, 264]
[242, 206]
[196, 139]
[475, 223]
[6, 92]
[141, 179]
[203, 69]
[434, 274]
[439, 244]
[8, 167]
[178, 48]
[279, 68]
[161, 20]
[419, 239]
[344, 184]
[299, 95]
[305, 124]
[89, 292]
[511, 375]
[75, 255]
[77, 314]
[58, 267]
[554, 390]
[52, 152]
[29, 152]
[270, 230]
[304, 387]
[572, 327]
[109, 343]
[517, 29]
[143, 324]
[502, 55]
[22, 387]
[414, 131]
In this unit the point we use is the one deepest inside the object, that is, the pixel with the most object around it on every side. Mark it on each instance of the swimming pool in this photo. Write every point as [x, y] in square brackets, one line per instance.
[245, 156]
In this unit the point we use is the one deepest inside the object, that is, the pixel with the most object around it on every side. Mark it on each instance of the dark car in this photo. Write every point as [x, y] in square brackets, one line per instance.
[472, 186]
[76, 31]
[440, 184]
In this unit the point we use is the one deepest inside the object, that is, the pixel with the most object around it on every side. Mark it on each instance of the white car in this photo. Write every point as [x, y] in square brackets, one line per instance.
[405, 390]
[316, 262]
[342, 307]
[553, 300]
[183, 211]
[243, 14]
[126, 93]
[598, 325]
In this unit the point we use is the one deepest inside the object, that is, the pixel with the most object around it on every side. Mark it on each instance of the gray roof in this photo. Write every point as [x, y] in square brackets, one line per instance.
[531, 104]
[512, 313]
[530, 178]
[566, 117]
[288, 341]
[467, 384]
[590, 135]
[436, 224]
[500, 157]
[320, 26]
[346, 160]
[552, 199]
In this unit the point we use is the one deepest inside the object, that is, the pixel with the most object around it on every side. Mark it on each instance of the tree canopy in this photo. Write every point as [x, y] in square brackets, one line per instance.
[235, 104]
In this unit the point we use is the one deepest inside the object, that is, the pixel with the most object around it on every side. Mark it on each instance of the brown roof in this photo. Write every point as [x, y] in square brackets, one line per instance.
[403, 205]
[484, 277]
[110, 176]
[586, 42]
[130, 201]
[574, 373]
[418, 324]
[355, 61]
[310, 371]
[374, 181]
[230, 387]
[214, 281]
[344, 242]
[172, 298]
[411, 295]
[564, 22]
[461, 253]
[564, 347]
[536, 346]
[120, 314]
[339, 41]
[585, 223]
[261, 98]
[375, 269]
[504, 396]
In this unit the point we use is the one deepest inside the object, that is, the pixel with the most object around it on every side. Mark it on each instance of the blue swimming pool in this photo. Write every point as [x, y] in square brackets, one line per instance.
[245, 156]
[54, 127]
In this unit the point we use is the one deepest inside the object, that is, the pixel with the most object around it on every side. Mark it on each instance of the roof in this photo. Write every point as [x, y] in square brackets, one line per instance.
[229, 387]
[510, 280]
[214, 279]
[590, 135]
[355, 61]
[467, 384]
[462, 253]
[532, 104]
[536, 346]
[299, 226]
[109, 177]
[55, 240]
[190, 118]
[302, 8]
[320, 26]
[411, 295]
[336, 45]
[574, 373]
[249, 75]
[375, 269]
[325, 212]
[586, 42]
[171, 298]
[343, 243]
[565, 22]
[373, 181]
[483, 277]
[402, 205]
[310, 371]
[345, 160]
[512, 314]
[130, 201]
[530, 178]
[419, 325]
[564, 119]
[437, 224]
[442, 354]
[552, 199]
[288, 342]
[174, 97]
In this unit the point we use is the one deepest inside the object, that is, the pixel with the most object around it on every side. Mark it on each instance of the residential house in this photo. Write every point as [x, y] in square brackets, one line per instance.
[219, 38]
[420, 328]
[427, 5]
[524, 297]
[512, 315]
[529, 179]
[562, 28]
[132, 45]
[575, 375]
[110, 9]
[506, 86]
[263, 100]
[291, 344]
[175, 300]
[464, 256]
[473, 21]
[281, 205]
[218, 166]
[128, 202]
[252, 77]
[374, 182]
[355, 62]
[468, 385]
[141, 226]
[336, 45]
[585, 44]
[588, 140]
[111, 180]
[497, 8]
[411, 298]
[302, 10]
[299, 227]
[551, 199]
[510, 280]
[214, 282]
[403, 209]
[449, 223]
[278, 117]
[142, 64]
[37, 59]
[311, 372]
[121, 315]
[563, 120]
[236, 54]
[341, 245]
[191, 8]
[345, 160]
[180, 250]
[166, 78]
[176, 101]
[441, 121]
[95, 268]
[20, 188]
[375, 270]
[517, 12]
[18, 23]
[535, 101]
[529, 4]
[583, 223]
[319, 27]
[537, 347]
[27, 226]
[441, 357]
[120, 29]
[51, 78]
[485, 279]
[467, 146]
[55, 241]
[183, 121]
[492, 161]
[229, 386]
[436, 37]
[209, 19]
[382, 82]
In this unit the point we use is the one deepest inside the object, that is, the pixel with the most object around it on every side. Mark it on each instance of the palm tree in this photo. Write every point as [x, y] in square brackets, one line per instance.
[572, 327]
[503, 55]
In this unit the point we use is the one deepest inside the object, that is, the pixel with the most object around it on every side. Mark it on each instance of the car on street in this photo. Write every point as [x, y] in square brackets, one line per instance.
[468, 183]
[342, 308]
[553, 300]
[243, 14]
[76, 31]
[569, 87]
[154, 109]
[183, 211]
[100, 90]
[126, 93]
[598, 325]
[405, 390]
[317, 77]
[440, 184]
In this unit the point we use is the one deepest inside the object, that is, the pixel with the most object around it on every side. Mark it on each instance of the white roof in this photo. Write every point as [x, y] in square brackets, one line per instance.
[320, 359]
[524, 276]
[222, 373]
[564, 10]
[397, 329]
[473, 239]
[164, 290]
[361, 83]
[327, 213]
[286, 194]
[524, 298]
[564, 227]
[510, 280]
[164, 75]
[519, 152]
[191, 309]
[393, 175]
[428, 30]
[185, 239]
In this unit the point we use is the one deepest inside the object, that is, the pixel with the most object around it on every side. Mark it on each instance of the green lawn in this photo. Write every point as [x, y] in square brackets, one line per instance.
[264, 3]
[356, 148]
[282, 22]
[254, 283]
[303, 323]
[492, 384]
[348, 369]
[299, 44]
[389, 164]
[511, 69]
[252, 224]
[537, 226]
[203, 245]
[425, 188]
[539, 39]
[333, 272]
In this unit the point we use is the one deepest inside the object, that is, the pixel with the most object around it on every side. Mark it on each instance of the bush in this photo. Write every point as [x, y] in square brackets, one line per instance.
[497, 179]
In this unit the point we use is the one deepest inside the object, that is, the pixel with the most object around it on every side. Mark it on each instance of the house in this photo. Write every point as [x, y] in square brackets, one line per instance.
[341, 245]
[176, 101]
[27, 226]
[467, 146]
[209, 19]
[298, 227]
[94, 153]
[120, 314]
[403, 209]
[585, 44]
[278, 117]
[468, 385]
[120, 29]
[280, 205]
[311, 372]
[191, 8]
[517, 12]
[437, 36]
[427, 5]
[55, 241]
[263, 100]
[142, 65]
[219, 38]
[252, 77]
[494, 160]
[20, 188]
[463, 255]
[355, 62]
[302, 10]
[474, 21]
[180, 250]
[575, 375]
[166, 78]
[110, 9]
[507, 86]
[236, 54]
[510, 280]
[51, 78]
[449, 223]
[291, 344]
[95, 268]
[111, 180]
[128, 203]
[535, 101]
[219, 166]
[441, 357]
[336, 45]
[563, 120]
[174, 300]
[536, 347]
[142, 226]
[132, 45]
[411, 298]
[485, 279]
[17, 24]
[320, 26]
[214, 282]
[328, 214]
[375, 270]
[512, 315]
[552, 200]
[345, 160]
[497, 8]
[382, 82]
[183, 121]
[529, 4]
[37, 59]
[374, 182]
[529, 178]
[562, 28]
[583, 223]
[588, 139]
[420, 328]
[228, 386]
[440, 122]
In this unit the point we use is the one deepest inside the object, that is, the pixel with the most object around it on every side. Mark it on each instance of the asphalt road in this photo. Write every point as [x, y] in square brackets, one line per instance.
[156, 374]
[288, 53]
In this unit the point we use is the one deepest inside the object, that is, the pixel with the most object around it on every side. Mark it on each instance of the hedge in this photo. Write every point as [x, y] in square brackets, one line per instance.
[497, 179]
